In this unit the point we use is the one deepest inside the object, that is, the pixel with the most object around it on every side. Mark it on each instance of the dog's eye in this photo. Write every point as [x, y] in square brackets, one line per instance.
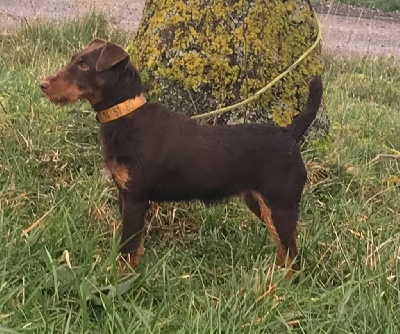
[82, 66]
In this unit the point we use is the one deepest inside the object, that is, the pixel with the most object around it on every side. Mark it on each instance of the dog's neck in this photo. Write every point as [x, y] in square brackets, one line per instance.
[127, 87]
[120, 110]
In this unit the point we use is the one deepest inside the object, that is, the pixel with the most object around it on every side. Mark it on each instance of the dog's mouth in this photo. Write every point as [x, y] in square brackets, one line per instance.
[60, 92]
[60, 100]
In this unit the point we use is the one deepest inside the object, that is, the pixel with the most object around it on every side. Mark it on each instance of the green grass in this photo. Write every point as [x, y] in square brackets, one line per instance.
[204, 270]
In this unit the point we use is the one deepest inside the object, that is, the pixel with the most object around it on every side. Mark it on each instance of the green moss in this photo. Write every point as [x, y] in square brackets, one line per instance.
[203, 54]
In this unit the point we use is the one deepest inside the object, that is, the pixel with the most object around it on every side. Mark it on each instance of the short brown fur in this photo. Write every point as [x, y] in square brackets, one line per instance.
[265, 216]
[157, 155]
[119, 173]
[134, 257]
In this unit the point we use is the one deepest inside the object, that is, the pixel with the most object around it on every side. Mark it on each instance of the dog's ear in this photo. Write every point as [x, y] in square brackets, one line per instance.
[98, 42]
[110, 55]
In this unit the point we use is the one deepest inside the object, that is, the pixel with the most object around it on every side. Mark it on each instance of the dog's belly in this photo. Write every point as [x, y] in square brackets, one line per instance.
[174, 192]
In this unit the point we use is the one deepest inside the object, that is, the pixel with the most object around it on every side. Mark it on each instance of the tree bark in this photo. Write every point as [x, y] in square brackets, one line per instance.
[199, 55]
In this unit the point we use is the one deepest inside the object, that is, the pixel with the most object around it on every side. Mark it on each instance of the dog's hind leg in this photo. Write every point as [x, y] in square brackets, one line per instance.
[281, 224]
[257, 205]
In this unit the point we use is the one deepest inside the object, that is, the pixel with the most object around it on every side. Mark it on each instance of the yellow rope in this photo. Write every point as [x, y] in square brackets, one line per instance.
[279, 77]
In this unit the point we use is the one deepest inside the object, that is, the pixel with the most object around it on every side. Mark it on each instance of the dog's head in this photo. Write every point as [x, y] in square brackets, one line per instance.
[90, 73]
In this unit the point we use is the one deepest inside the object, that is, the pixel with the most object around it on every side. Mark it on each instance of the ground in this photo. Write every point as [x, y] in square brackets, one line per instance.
[346, 29]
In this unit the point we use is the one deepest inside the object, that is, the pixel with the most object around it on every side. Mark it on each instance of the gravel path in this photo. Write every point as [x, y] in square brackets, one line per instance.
[345, 29]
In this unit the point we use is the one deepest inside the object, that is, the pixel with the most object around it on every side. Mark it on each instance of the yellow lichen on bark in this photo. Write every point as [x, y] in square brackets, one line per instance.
[201, 54]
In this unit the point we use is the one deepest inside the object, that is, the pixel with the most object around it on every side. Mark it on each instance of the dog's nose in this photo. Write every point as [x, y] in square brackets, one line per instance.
[44, 84]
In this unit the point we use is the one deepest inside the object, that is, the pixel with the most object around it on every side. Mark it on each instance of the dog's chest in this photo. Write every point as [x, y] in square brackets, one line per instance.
[115, 167]
[117, 172]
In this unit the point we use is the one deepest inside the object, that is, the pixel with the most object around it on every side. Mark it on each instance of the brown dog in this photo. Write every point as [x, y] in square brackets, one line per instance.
[156, 155]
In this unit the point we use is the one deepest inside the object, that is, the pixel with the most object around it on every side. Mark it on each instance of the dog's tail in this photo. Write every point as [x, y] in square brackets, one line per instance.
[307, 115]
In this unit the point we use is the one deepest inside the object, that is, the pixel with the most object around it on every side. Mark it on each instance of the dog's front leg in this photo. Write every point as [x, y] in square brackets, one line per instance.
[133, 215]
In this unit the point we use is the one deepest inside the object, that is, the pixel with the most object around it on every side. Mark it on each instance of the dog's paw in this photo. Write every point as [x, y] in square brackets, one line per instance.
[132, 259]
[125, 263]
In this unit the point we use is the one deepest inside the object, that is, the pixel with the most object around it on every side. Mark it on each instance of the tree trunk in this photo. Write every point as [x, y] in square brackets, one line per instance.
[199, 55]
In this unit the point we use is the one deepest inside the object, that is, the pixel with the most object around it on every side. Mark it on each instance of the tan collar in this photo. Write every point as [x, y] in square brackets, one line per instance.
[120, 110]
